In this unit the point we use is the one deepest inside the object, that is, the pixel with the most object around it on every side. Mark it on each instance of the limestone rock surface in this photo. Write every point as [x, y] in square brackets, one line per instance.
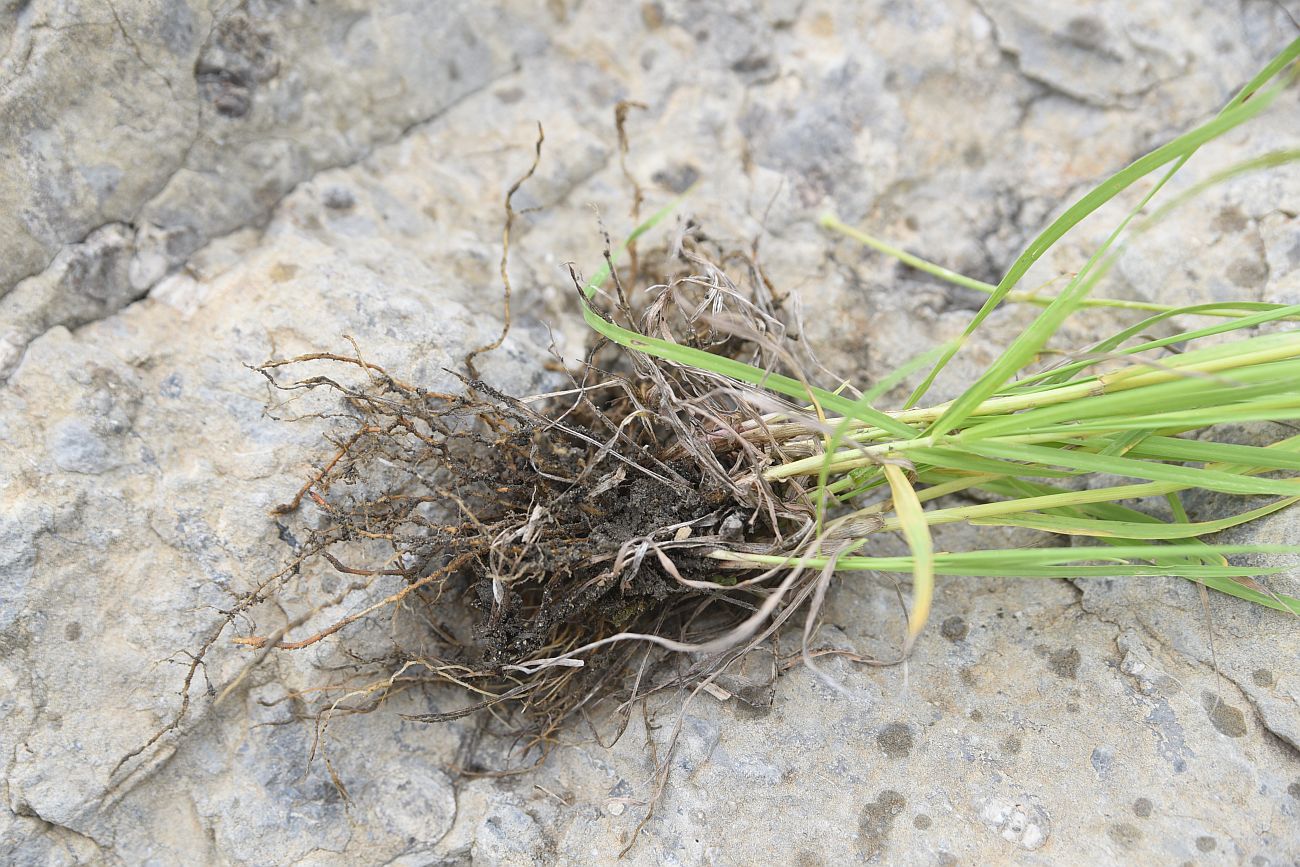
[193, 187]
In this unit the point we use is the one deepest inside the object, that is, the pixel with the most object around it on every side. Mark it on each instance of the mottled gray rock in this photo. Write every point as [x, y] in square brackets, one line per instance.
[135, 491]
[1037, 722]
[508, 835]
[1096, 52]
[139, 130]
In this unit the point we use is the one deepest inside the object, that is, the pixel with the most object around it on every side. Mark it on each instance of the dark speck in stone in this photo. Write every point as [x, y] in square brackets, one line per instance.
[1065, 662]
[1226, 718]
[339, 199]
[895, 740]
[677, 178]
[1124, 834]
[954, 629]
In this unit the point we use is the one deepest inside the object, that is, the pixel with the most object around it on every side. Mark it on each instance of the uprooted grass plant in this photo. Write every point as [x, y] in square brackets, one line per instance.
[692, 488]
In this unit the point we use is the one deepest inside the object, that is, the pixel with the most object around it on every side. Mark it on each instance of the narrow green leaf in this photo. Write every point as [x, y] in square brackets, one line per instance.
[1173, 449]
[1130, 529]
[1210, 480]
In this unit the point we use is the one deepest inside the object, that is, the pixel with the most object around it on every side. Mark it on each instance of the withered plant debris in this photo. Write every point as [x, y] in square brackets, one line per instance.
[530, 535]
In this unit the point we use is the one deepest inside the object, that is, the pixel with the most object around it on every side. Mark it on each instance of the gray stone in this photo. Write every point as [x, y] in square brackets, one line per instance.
[20, 524]
[76, 447]
[508, 836]
[139, 130]
[1094, 51]
[96, 468]
[219, 192]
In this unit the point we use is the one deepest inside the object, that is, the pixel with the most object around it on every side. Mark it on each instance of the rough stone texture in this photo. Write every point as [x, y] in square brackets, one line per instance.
[1036, 722]
[138, 473]
[137, 131]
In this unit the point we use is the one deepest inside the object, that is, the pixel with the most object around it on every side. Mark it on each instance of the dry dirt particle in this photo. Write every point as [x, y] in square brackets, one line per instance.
[895, 740]
[877, 821]
[1227, 719]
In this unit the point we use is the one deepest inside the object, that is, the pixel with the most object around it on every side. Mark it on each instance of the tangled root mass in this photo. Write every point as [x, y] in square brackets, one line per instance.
[552, 522]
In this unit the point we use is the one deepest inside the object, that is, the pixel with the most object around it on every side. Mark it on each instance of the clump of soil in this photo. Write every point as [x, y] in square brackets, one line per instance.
[534, 534]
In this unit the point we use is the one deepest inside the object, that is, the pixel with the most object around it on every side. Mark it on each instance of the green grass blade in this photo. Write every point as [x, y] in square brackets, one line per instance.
[1019, 558]
[1068, 563]
[1191, 477]
[957, 459]
[1263, 313]
[830, 221]
[1173, 449]
[1131, 529]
